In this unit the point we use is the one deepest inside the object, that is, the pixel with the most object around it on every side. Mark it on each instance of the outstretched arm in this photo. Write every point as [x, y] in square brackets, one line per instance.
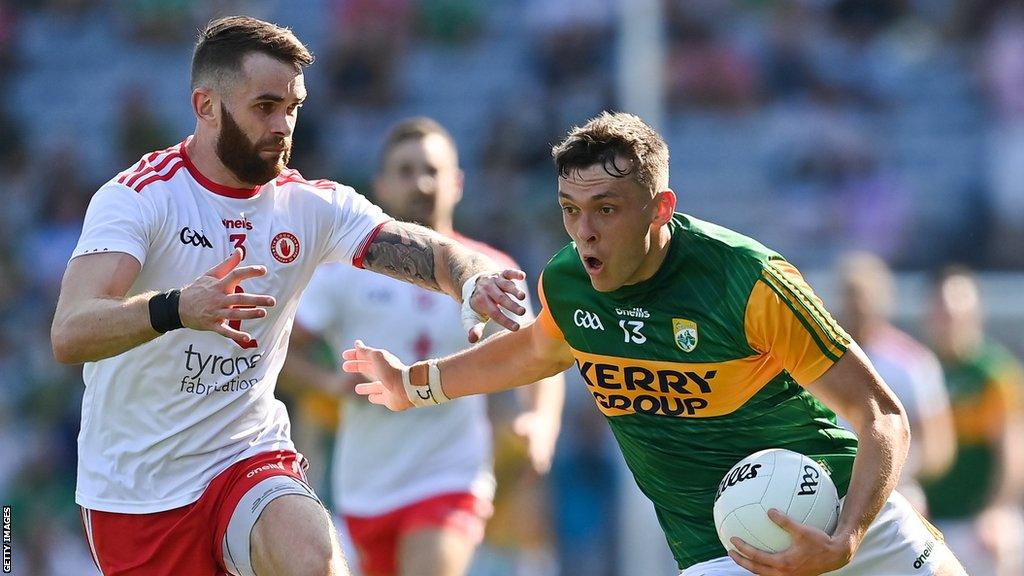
[502, 362]
[94, 320]
[419, 255]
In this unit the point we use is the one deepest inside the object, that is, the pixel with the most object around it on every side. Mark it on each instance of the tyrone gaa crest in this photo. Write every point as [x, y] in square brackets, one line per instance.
[285, 247]
[685, 332]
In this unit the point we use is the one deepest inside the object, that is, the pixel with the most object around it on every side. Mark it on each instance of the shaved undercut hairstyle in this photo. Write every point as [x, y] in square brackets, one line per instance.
[416, 128]
[623, 144]
[226, 41]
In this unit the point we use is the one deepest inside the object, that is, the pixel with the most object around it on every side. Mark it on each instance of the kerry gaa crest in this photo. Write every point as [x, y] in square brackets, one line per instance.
[685, 333]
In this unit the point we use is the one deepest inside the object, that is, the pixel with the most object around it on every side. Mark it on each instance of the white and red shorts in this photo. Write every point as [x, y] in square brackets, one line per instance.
[376, 538]
[192, 539]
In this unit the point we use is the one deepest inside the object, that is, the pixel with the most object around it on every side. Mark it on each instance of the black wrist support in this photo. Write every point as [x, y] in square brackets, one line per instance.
[163, 311]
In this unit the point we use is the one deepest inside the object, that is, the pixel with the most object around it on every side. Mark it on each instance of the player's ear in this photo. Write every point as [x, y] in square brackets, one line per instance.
[460, 179]
[665, 206]
[203, 105]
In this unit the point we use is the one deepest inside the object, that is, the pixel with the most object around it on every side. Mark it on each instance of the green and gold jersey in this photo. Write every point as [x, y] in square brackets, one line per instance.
[983, 389]
[699, 366]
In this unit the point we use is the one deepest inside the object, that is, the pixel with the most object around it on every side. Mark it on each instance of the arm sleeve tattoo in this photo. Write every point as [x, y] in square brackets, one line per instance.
[408, 252]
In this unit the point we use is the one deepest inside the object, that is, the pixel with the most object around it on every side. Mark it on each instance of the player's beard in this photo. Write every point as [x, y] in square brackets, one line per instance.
[242, 157]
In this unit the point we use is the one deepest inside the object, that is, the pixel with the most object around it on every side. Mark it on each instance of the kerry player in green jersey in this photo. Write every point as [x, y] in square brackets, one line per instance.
[700, 346]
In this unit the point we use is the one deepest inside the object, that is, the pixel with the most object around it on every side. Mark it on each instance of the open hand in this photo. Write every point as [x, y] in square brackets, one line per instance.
[812, 551]
[383, 370]
[490, 295]
[213, 301]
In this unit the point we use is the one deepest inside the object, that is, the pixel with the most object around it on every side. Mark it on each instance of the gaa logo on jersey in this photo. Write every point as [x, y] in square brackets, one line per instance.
[285, 247]
[685, 332]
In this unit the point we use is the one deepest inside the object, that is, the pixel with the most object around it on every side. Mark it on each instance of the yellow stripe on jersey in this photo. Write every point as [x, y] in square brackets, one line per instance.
[792, 277]
[546, 321]
[684, 390]
[982, 419]
[787, 281]
[786, 320]
[821, 338]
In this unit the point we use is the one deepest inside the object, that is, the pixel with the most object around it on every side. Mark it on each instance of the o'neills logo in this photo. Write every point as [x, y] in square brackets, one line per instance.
[237, 224]
[920, 560]
[264, 468]
[285, 247]
[634, 312]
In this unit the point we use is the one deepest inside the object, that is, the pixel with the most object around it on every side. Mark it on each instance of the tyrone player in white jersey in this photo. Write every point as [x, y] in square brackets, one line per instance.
[185, 461]
[422, 510]
[911, 370]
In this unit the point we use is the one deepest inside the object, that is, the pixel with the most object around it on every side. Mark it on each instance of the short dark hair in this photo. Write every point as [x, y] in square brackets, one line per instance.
[415, 128]
[225, 41]
[609, 136]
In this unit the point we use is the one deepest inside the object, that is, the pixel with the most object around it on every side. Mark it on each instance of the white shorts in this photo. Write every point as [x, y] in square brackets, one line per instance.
[898, 543]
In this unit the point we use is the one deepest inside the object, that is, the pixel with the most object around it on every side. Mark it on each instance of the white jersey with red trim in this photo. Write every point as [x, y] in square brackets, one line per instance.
[162, 419]
[914, 374]
[386, 460]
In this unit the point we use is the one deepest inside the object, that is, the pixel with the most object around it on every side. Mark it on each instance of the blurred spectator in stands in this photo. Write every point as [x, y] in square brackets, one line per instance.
[871, 202]
[572, 40]
[19, 195]
[449, 21]
[571, 52]
[364, 56]
[517, 170]
[159, 21]
[9, 16]
[705, 69]
[908, 367]
[837, 194]
[48, 244]
[1003, 73]
[976, 503]
[141, 130]
[786, 61]
[853, 57]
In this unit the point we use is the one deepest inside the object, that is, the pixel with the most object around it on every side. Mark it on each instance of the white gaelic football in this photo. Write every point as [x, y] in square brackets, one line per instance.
[782, 479]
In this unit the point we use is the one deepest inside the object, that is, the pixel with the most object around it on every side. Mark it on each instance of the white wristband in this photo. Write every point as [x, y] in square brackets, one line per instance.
[428, 393]
[470, 317]
[434, 375]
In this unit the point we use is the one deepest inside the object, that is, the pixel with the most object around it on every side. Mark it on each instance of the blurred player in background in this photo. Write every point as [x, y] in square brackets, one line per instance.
[909, 368]
[186, 465]
[976, 503]
[414, 488]
[701, 346]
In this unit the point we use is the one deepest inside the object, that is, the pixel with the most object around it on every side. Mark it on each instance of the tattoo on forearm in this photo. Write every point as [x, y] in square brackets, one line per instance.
[405, 253]
[463, 265]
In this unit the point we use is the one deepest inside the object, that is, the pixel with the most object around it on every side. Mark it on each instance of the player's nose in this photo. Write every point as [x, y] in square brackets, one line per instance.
[282, 126]
[426, 184]
[585, 230]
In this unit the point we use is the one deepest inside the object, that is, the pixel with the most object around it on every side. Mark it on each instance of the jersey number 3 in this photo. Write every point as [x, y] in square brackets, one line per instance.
[237, 325]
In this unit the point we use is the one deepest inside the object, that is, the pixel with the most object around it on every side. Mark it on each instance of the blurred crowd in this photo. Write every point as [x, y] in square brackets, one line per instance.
[894, 127]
